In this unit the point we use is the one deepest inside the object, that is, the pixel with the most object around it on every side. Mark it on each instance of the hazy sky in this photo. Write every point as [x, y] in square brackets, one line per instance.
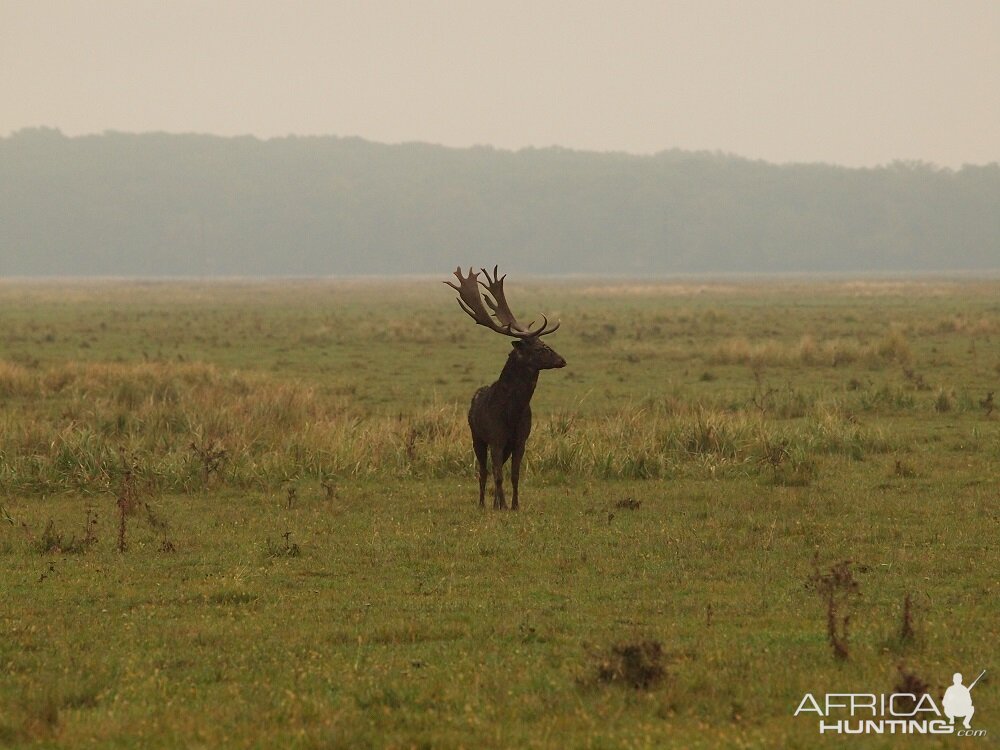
[850, 82]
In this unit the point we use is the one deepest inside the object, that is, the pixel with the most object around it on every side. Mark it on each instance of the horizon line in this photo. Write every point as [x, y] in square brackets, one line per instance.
[719, 277]
[703, 153]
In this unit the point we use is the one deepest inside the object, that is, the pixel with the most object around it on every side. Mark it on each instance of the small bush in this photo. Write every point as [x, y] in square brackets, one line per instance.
[52, 540]
[837, 588]
[944, 402]
[908, 683]
[286, 549]
[635, 665]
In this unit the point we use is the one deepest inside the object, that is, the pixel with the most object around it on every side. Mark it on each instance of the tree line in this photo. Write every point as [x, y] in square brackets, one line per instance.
[194, 205]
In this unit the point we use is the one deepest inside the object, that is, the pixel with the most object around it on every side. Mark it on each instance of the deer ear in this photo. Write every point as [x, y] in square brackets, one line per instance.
[517, 343]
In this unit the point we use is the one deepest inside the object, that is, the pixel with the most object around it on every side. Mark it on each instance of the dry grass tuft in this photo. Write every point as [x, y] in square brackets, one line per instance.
[893, 347]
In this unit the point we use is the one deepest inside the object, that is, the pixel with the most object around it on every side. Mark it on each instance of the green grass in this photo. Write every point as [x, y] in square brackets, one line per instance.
[330, 581]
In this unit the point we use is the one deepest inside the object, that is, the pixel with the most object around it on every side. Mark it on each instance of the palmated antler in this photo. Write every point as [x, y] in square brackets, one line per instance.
[502, 319]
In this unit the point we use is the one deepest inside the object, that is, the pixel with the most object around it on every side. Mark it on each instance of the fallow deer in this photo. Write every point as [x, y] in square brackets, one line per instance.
[500, 414]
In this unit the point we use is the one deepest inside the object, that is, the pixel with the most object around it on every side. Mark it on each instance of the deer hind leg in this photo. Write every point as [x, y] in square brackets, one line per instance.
[496, 455]
[481, 448]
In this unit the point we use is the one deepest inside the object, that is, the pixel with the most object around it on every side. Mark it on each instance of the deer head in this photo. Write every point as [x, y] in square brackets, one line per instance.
[535, 354]
[529, 349]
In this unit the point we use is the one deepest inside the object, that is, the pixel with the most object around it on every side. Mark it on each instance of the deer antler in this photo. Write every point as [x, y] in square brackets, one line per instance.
[502, 320]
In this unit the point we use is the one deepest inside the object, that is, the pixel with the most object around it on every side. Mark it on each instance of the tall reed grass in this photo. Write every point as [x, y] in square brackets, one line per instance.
[185, 427]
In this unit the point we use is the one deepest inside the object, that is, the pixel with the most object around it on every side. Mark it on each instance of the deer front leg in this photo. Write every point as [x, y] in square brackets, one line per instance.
[515, 473]
[517, 453]
[496, 456]
[481, 449]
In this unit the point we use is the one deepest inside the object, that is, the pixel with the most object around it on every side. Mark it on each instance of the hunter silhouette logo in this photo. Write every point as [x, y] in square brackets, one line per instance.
[895, 713]
[957, 701]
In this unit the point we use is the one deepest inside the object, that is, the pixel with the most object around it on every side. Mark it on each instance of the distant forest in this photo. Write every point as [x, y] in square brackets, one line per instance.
[195, 205]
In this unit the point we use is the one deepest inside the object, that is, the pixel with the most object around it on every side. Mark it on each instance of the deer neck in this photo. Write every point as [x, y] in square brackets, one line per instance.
[518, 382]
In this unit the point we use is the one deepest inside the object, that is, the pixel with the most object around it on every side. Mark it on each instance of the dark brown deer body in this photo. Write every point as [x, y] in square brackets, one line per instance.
[500, 414]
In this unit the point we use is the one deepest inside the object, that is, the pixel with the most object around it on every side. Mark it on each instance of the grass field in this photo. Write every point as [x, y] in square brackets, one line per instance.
[244, 514]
